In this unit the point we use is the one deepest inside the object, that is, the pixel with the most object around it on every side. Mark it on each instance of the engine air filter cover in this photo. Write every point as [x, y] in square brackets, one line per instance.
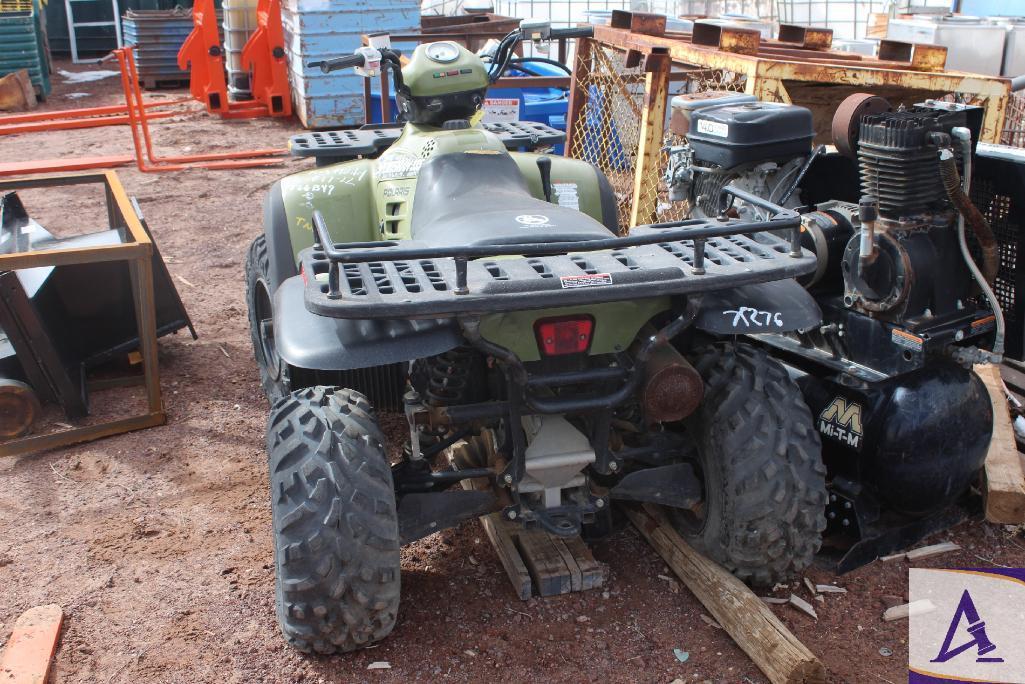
[736, 134]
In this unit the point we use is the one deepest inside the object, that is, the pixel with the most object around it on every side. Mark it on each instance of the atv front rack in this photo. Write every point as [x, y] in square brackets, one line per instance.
[409, 279]
[331, 147]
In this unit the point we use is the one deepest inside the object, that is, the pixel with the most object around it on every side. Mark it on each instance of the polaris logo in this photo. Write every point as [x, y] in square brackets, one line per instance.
[841, 420]
[532, 219]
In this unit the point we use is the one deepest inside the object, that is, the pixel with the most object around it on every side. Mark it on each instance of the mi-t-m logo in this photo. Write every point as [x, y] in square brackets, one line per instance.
[841, 420]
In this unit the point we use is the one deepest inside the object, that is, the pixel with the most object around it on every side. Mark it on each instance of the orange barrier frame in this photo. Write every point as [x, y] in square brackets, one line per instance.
[264, 53]
[148, 161]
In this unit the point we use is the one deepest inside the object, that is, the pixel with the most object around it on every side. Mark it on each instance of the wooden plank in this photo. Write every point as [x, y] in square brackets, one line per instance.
[26, 658]
[1004, 490]
[759, 633]
[547, 568]
[495, 527]
[575, 578]
[592, 573]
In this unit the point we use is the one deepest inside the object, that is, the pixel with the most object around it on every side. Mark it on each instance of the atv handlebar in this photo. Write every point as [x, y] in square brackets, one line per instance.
[574, 32]
[337, 63]
[356, 59]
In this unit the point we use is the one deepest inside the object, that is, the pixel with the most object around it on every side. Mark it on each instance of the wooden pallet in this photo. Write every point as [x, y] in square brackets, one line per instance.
[538, 563]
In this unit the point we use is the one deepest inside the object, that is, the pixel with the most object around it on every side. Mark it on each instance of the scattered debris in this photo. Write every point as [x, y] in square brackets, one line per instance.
[221, 347]
[803, 606]
[885, 652]
[182, 278]
[709, 621]
[470, 652]
[76, 96]
[829, 589]
[379, 665]
[681, 655]
[922, 552]
[772, 600]
[934, 550]
[908, 609]
[473, 561]
[87, 76]
[811, 586]
[583, 618]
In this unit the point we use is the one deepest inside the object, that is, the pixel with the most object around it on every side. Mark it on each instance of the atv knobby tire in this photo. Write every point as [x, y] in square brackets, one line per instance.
[336, 533]
[274, 376]
[760, 459]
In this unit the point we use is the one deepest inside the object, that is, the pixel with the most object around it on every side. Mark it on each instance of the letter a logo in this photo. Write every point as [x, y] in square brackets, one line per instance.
[976, 628]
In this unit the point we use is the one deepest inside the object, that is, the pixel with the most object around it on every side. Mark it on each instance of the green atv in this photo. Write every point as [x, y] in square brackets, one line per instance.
[489, 297]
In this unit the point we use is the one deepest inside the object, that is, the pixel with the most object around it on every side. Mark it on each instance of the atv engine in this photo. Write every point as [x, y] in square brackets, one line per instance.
[761, 147]
[904, 422]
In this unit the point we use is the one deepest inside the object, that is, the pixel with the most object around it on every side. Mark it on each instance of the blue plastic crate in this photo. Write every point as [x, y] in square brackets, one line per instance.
[321, 29]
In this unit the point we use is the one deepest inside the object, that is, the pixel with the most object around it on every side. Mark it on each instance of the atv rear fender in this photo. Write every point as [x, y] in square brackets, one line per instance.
[306, 340]
[774, 307]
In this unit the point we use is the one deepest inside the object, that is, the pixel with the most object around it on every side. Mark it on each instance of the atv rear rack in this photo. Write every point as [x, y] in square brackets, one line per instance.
[409, 279]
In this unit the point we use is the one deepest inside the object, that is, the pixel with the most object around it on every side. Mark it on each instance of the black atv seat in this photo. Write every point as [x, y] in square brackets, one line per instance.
[481, 198]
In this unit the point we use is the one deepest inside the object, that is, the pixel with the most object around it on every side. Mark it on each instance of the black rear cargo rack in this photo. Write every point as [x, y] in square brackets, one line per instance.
[409, 279]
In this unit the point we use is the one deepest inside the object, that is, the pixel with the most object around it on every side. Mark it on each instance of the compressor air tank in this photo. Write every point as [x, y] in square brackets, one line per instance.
[915, 442]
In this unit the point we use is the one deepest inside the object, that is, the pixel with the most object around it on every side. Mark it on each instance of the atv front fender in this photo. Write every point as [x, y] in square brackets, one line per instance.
[306, 340]
[774, 307]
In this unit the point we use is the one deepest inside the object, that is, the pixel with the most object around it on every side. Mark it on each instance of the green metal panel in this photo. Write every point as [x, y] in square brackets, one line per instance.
[22, 46]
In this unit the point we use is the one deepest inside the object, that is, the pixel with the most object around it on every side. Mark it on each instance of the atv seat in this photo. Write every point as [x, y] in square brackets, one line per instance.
[481, 198]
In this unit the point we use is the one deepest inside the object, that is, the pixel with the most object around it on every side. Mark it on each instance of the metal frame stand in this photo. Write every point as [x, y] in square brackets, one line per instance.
[138, 253]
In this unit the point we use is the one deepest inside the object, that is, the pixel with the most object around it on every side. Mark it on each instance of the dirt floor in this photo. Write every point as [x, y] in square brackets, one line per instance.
[158, 544]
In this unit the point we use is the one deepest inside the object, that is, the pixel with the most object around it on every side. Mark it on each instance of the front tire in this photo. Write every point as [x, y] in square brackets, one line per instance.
[760, 460]
[336, 533]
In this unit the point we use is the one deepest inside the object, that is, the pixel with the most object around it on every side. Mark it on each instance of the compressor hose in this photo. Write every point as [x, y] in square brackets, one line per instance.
[947, 161]
[971, 214]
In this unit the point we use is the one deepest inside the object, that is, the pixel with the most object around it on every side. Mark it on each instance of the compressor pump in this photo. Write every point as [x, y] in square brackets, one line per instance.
[905, 275]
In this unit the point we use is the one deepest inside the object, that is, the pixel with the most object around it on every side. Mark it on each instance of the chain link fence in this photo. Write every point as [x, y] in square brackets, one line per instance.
[608, 131]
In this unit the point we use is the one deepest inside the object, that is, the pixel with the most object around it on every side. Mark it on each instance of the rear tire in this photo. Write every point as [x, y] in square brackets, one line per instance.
[336, 533]
[274, 372]
[760, 460]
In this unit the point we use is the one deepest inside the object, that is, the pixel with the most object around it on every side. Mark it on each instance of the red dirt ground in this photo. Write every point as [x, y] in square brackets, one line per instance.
[158, 546]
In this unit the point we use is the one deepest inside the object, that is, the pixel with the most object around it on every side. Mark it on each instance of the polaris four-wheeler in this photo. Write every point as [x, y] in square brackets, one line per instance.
[906, 268]
[489, 296]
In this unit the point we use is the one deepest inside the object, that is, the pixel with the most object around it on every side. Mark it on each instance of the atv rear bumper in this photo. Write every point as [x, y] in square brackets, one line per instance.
[411, 280]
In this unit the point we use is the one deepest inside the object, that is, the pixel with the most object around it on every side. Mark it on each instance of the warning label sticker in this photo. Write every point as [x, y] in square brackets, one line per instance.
[588, 280]
[902, 338]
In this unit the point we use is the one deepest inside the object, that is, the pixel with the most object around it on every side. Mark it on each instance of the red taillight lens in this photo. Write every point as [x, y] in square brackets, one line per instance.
[566, 335]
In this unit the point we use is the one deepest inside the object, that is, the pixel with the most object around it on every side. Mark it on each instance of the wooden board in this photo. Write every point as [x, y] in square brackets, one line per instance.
[1004, 490]
[759, 633]
[26, 658]
[538, 562]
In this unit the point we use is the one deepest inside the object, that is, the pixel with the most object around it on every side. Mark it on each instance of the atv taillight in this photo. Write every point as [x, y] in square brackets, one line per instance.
[565, 335]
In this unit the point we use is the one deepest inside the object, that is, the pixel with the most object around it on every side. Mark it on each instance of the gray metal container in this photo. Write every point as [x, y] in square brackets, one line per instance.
[973, 44]
[1014, 46]
[157, 35]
